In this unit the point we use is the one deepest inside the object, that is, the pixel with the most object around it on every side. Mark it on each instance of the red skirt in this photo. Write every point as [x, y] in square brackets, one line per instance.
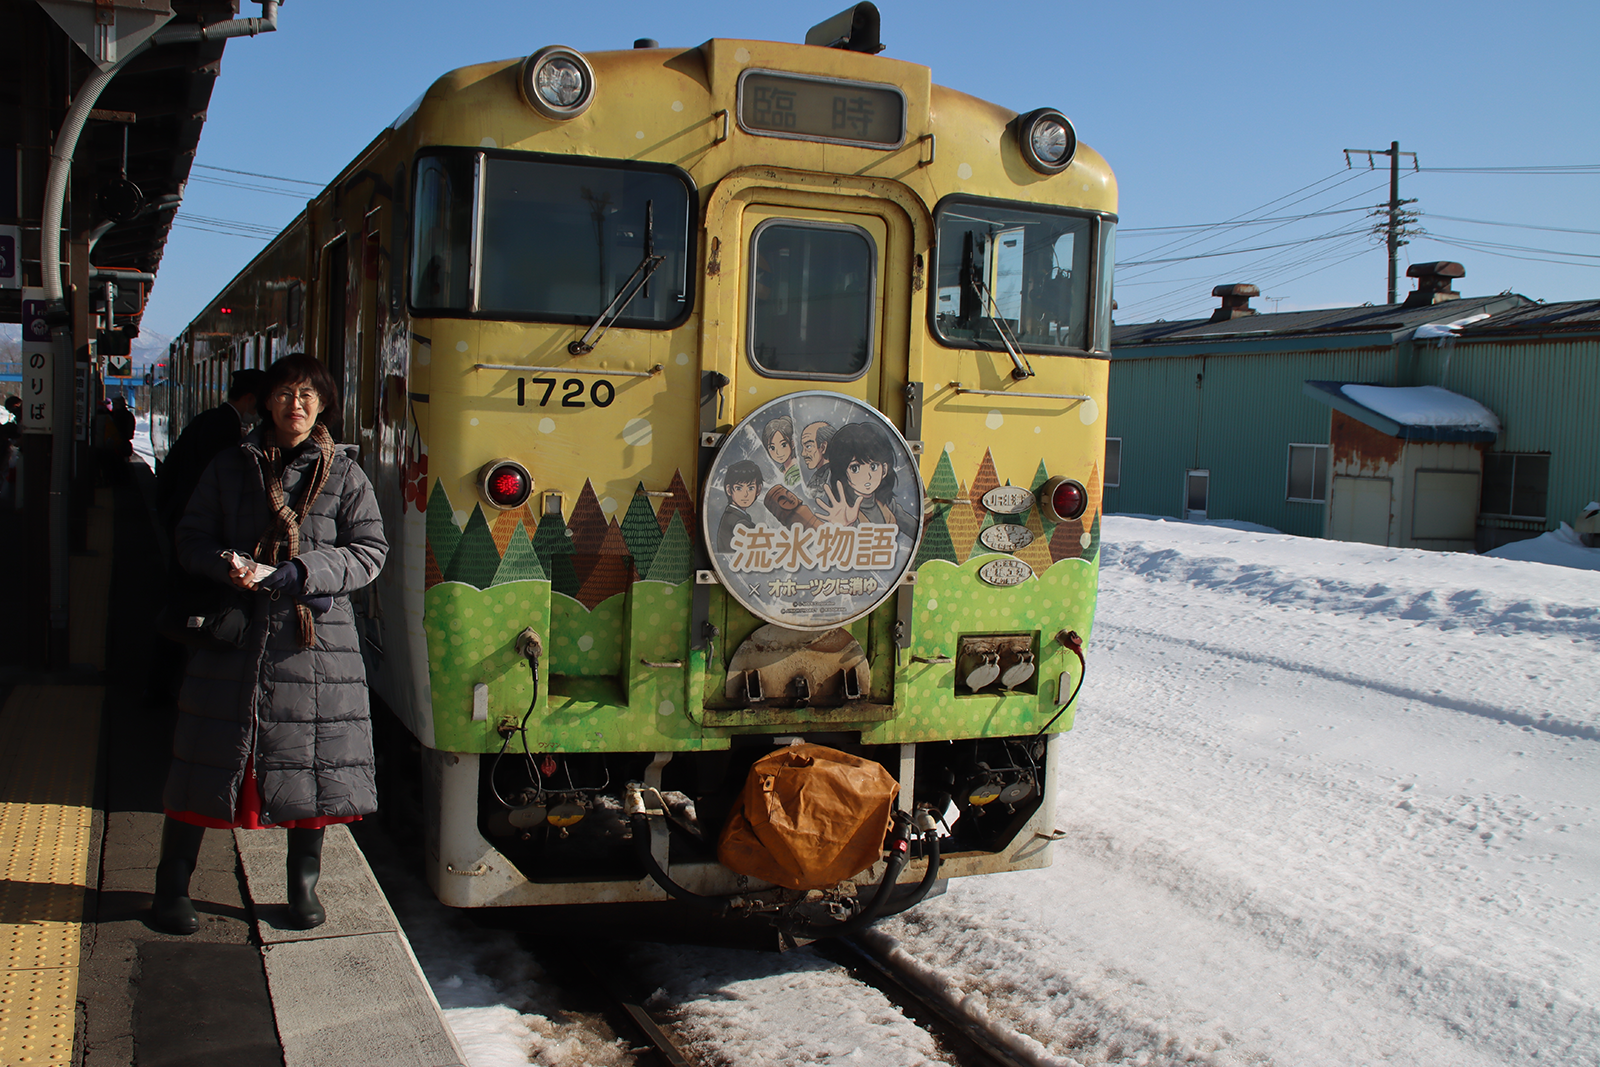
[248, 814]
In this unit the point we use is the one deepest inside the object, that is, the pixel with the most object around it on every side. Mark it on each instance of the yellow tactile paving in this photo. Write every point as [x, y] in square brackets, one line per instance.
[49, 737]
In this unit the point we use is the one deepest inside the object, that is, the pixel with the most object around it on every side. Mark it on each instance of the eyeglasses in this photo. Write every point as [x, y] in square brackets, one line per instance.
[308, 398]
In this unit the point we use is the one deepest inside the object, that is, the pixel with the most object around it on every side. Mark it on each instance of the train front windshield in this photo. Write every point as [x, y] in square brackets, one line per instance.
[1029, 268]
[556, 241]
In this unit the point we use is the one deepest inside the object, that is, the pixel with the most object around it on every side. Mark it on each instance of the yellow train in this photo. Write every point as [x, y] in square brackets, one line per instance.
[718, 399]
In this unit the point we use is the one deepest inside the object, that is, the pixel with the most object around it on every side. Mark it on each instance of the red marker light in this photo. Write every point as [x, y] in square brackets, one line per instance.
[505, 484]
[226, 311]
[1066, 499]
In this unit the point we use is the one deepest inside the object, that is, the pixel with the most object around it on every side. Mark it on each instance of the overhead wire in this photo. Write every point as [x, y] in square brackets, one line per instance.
[253, 174]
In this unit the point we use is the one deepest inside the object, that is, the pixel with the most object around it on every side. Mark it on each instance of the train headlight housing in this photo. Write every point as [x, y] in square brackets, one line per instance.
[558, 82]
[1064, 498]
[1048, 140]
[505, 484]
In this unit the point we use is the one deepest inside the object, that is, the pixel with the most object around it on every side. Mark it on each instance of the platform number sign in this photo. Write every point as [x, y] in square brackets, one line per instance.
[38, 378]
[10, 257]
[119, 366]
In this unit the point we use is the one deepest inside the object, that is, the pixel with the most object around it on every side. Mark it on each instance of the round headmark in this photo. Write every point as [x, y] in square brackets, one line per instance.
[813, 510]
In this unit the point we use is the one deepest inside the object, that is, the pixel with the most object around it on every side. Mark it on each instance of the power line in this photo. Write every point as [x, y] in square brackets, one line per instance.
[1514, 225]
[246, 186]
[1486, 245]
[1242, 251]
[1235, 225]
[1570, 168]
[269, 177]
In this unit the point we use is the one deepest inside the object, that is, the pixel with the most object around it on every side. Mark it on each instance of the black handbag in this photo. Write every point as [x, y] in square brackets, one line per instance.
[201, 613]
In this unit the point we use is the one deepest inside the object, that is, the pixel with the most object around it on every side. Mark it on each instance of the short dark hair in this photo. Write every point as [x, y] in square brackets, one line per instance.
[246, 382]
[742, 473]
[863, 441]
[298, 367]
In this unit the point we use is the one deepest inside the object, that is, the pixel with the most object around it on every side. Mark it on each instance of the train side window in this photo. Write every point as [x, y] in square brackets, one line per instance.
[812, 299]
[441, 269]
[1023, 270]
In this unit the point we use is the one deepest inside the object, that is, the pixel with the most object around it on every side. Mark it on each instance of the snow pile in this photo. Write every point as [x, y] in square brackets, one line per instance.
[1424, 405]
[1326, 804]
[1559, 548]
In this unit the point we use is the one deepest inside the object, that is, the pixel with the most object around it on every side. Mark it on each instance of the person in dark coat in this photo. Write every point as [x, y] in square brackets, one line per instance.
[208, 433]
[278, 731]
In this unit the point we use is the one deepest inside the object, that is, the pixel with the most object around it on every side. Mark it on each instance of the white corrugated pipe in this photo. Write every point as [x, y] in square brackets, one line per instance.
[55, 198]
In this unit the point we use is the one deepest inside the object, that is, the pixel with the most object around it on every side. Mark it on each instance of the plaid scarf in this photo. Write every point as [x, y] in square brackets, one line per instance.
[285, 528]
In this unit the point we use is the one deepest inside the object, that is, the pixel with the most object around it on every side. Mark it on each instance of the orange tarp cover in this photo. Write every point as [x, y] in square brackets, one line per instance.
[809, 816]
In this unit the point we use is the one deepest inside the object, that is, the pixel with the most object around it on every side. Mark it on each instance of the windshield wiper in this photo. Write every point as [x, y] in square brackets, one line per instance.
[638, 280]
[1020, 366]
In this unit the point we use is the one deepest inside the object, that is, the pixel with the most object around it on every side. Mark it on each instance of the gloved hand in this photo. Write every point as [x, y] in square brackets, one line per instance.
[317, 604]
[289, 578]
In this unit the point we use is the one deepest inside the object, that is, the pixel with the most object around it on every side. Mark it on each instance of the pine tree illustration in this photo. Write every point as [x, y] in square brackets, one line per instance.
[609, 572]
[520, 562]
[431, 574]
[1094, 487]
[1041, 476]
[1093, 548]
[564, 576]
[985, 480]
[943, 484]
[674, 561]
[1066, 542]
[963, 526]
[506, 522]
[1037, 552]
[550, 540]
[641, 531]
[679, 503]
[476, 558]
[936, 542]
[443, 533]
[588, 522]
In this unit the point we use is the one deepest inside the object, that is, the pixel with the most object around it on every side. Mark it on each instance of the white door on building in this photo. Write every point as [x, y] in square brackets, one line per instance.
[1359, 510]
[1196, 492]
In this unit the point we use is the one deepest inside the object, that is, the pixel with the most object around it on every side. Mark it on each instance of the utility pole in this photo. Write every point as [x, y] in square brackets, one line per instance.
[1395, 226]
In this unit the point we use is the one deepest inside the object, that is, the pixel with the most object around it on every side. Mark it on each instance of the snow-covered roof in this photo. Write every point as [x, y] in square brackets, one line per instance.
[1414, 413]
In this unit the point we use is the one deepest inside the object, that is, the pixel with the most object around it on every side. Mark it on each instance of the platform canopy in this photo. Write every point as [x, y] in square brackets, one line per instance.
[1412, 413]
[143, 131]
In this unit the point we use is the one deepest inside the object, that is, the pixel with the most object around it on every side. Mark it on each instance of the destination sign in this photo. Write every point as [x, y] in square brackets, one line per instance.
[821, 109]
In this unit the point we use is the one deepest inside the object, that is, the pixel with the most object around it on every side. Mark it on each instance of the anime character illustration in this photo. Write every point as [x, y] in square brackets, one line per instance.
[860, 481]
[778, 438]
[742, 483]
[814, 453]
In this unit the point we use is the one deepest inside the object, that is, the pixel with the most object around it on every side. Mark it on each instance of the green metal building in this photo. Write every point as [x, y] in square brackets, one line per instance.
[1212, 417]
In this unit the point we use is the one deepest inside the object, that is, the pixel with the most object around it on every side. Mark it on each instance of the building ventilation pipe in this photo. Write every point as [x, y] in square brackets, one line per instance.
[55, 198]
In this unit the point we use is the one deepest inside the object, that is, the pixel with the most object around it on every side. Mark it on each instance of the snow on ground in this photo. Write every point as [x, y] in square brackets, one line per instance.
[1326, 804]
[1560, 548]
[141, 442]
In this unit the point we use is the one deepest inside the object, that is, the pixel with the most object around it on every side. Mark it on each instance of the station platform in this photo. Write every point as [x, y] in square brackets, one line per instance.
[84, 978]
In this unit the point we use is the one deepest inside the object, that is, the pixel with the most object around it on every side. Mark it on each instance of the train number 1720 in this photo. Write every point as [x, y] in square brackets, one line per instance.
[601, 392]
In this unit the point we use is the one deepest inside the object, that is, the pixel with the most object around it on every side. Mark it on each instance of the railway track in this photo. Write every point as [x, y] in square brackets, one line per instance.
[609, 1003]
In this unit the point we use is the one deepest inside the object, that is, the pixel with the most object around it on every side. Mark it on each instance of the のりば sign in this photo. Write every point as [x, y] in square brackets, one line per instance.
[38, 357]
[813, 511]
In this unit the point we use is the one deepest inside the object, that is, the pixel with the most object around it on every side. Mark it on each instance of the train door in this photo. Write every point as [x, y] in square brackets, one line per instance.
[816, 287]
[812, 314]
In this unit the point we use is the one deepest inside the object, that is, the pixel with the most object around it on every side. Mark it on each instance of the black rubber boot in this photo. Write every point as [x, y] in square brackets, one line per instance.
[304, 867]
[173, 911]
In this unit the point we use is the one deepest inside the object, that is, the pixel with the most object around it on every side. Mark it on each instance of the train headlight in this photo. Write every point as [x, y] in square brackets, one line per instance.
[558, 82]
[1048, 140]
[505, 484]
[1064, 498]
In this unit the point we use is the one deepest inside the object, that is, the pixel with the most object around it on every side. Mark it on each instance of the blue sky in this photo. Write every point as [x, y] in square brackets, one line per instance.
[1207, 112]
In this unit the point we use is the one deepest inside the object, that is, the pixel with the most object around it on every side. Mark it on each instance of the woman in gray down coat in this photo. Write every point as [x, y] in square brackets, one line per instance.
[276, 732]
